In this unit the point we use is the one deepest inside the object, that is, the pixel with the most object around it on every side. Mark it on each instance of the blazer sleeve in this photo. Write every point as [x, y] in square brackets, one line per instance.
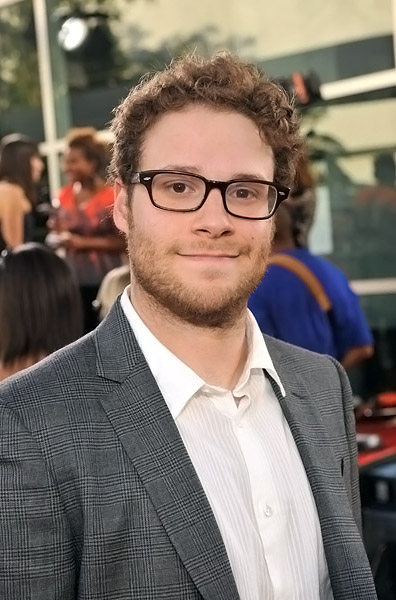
[36, 546]
[352, 475]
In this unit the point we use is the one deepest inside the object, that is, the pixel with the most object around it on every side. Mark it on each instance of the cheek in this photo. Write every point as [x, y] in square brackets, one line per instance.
[261, 234]
[268, 230]
[271, 230]
[36, 166]
[151, 222]
[84, 167]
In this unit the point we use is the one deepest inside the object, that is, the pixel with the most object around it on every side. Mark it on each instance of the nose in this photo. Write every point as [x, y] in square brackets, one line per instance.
[212, 219]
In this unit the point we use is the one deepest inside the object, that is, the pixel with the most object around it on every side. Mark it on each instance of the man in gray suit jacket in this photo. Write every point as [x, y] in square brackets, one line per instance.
[174, 453]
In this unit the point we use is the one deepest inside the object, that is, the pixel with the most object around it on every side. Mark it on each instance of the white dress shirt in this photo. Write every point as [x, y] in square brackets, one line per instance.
[246, 459]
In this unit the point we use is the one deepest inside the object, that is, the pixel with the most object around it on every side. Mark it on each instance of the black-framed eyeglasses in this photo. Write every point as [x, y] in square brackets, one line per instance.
[178, 191]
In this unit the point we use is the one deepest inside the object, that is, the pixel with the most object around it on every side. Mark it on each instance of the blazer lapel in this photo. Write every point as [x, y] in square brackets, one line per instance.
[341, 538]
[151, 439]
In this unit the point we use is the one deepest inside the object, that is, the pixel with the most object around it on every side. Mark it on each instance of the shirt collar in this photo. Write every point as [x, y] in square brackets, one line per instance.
[176, 381]
[259, 357]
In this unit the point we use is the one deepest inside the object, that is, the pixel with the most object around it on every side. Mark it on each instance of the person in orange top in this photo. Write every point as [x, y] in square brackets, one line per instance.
[83, 224]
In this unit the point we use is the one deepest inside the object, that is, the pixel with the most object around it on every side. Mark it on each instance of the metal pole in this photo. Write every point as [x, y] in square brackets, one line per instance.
[47, 92]
[394, 29]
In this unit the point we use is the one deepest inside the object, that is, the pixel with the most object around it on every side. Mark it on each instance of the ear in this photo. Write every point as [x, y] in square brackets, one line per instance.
[120, 207]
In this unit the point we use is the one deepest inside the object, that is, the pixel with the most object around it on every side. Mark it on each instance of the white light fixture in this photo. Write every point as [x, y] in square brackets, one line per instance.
[358, 85]
[73, 33]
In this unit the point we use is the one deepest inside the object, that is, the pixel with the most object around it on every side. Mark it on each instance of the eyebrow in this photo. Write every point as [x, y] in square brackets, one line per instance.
[194, 171]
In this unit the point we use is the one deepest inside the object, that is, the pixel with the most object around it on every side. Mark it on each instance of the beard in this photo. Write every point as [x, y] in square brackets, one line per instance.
[210, 306]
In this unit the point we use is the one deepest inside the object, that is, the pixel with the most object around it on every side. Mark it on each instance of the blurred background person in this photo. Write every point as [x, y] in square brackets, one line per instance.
[303, 204]
[383, 192]
[304, 299]
[83, 225]
[112, 285]
[40, 306]
[21, 168]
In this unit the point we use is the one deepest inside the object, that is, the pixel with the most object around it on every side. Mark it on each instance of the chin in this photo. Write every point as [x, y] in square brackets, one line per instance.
[202, 305]
[215, 316]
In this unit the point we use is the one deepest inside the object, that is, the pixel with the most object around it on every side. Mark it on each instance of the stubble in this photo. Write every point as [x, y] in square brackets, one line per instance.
[213, 306]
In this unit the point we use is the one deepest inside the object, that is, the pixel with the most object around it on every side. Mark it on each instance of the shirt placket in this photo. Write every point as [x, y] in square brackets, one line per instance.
[266, 504]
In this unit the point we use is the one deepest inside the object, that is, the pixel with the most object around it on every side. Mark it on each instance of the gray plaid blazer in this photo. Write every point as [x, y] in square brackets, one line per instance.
[99, 499]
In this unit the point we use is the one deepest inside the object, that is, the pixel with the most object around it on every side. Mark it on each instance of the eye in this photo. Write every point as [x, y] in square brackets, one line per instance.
[179, 187]
[243, 192]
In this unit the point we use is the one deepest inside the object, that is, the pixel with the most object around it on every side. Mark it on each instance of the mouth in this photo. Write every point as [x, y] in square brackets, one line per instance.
[209, 256]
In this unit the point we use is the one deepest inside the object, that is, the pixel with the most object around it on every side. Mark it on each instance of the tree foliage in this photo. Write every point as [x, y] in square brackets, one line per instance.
[19, 75]
[117, 52]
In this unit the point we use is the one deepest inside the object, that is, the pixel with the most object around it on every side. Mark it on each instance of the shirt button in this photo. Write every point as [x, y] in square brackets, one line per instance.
[268, 511]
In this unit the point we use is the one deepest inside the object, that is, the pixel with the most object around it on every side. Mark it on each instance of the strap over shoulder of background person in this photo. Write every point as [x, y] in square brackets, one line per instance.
[305, 274]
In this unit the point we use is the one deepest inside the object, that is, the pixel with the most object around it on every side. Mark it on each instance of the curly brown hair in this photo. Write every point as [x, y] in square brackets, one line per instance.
[91, 146]
[223, 82]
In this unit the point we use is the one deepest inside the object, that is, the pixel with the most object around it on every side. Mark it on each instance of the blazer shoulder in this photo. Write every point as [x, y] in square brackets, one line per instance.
[279, 348]
[311, 370]
[53, 377]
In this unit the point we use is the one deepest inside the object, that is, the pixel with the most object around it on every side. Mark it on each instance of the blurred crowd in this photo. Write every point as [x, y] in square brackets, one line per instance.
[64, 262]
[54, 255]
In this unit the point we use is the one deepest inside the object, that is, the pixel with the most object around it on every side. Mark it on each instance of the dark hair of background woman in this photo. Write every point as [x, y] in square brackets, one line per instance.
[15, 154]
[40, 306]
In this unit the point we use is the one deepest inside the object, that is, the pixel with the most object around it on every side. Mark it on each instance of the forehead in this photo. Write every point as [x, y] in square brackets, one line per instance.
[75, 154]
[206, 137]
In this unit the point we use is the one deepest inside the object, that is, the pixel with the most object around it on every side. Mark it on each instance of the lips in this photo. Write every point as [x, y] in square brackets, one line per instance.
[209, 252]
[208, 255]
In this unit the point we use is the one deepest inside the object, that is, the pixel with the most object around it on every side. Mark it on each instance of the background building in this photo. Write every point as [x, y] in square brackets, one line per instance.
[68, 63]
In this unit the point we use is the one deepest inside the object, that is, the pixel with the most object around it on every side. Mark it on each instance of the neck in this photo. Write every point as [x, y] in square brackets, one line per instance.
[89, 184]
[217, 355]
